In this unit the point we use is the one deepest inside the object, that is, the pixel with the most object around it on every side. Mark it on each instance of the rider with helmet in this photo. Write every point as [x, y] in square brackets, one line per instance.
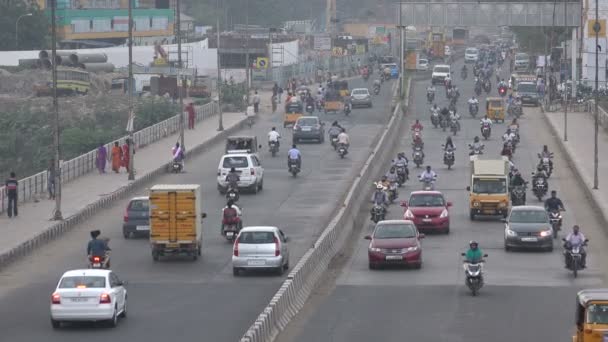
[474, 254]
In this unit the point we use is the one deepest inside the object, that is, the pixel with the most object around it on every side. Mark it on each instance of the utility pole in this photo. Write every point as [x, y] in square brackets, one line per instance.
[219, 73]
[564, 66]
[57, 213]
[131, 125]
[180, 82]
[400, 52]
[596, 29]
[248, 64]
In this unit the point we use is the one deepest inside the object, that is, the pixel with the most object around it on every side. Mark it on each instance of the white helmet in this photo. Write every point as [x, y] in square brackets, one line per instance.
[379, 186]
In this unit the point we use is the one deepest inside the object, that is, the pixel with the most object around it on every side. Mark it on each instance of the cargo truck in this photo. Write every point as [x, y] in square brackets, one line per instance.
[489, 189]
[176, 225]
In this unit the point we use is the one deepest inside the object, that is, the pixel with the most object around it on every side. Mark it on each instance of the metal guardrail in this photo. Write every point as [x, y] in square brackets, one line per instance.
[35, 186]
[309, 69]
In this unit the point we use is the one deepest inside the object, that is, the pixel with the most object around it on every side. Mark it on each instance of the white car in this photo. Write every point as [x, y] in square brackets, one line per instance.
[423, 64]
[471, 55]
[260, 248]
[247, 165]
[440, 73]
[361, 97]
[88, 295]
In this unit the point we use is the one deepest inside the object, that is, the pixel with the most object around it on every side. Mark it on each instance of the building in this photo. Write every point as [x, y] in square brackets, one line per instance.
[588, 42]
[82, 23]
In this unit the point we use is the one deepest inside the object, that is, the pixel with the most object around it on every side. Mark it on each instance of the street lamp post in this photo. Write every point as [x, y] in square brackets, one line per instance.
[131, 125]
[566, 83]
[401, 68]
[17, 29]
[596, 29]
[219, 73]
[57, 212]
[181, 83]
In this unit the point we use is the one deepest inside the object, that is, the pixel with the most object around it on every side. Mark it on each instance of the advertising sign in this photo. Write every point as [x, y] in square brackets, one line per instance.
[322, 43]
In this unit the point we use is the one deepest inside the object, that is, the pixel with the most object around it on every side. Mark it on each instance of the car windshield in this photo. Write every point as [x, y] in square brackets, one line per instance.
[597, 314]
[442, 69]
[519, 57]
[395, 231]
[307, 122]
[360, 92]
[88, 282]
[526, 88]
[256, 237]
[423, 62]
[471, 51]
[495, 103]
[142, 205]
[489, 186]
[236, 162]
[528, 216]
[426, 201]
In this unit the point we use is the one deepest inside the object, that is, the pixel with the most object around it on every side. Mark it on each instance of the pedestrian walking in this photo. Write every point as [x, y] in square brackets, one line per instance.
[275, 89]
[256, 102]
[116, 157]
[280, 94]
[273, 100]
[191, 114]
[126, 154]
[102, 156]
[11, 187]
[50, 180]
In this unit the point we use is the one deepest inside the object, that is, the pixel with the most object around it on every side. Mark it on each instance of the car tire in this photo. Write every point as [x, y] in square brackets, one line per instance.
[55, 324]
[155, 256]
[370, 105]
[286, 266]
[113, 322]
[549, 249]
[256, 188]
[123, 314]
[507, 248]
[235, 272]
[280, 270]
[446, 231]
[262, 184]
[418, 266]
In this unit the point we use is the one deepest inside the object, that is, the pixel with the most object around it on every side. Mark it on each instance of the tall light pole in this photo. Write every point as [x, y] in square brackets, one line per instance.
[247, 64]
[57, 212]
[564, 66]
[17, 29]
[401, 68]
[219, 73]
[131, 125]
[181, 82]
[596, 29]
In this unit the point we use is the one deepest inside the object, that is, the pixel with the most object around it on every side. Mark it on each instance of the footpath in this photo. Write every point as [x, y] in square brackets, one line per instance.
[86, 195]
[579, 150]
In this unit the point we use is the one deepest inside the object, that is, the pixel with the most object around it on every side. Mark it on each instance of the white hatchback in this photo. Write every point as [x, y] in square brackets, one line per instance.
[88, 295]
[247, 165]
[260, 248]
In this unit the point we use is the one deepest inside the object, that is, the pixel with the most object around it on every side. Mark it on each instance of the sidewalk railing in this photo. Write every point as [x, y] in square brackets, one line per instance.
[36, 186]
[309, 69]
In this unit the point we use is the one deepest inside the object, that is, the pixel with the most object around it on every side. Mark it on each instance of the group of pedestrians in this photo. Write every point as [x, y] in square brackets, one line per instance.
[119, 157]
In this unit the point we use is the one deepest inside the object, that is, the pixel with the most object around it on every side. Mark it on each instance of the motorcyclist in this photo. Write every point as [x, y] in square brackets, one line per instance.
[273, 136]
[310, 101]
[445, 114]
[97, 247]
[430, 89]
[417, 126]
[449, 145]
[509, 136]
[474, 254]
[232, 178]
[546, 154]
[553, 203]
[475, 146]
[540, 173]
[231, 214]
[454, 117]
[377, 84]
[428, 176]
[178, 153]
[485, 121]
[294, 155]
[502, 83]
[473, 101]
[334, 130]
[393, 179]
[379, 196]
[343, 139]
[576, 238]
[517, 179]
[402, 161]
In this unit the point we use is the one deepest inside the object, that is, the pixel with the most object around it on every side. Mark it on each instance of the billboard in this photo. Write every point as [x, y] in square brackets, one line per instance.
[322, 43]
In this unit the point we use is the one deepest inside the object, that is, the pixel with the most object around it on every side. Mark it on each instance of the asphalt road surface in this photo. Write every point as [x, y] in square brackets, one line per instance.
[202, 300]
[528, 296]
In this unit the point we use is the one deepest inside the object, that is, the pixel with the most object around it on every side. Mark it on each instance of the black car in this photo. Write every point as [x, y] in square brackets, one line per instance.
[137, 218]
[528, 227]
[308, 128]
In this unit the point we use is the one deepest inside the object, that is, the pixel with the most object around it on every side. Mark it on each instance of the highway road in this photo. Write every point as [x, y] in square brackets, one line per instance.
[200, 300]
[528, 296]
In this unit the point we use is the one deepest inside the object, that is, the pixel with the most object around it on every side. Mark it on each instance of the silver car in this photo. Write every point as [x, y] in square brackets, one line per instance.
[260, 247]
[361, 97]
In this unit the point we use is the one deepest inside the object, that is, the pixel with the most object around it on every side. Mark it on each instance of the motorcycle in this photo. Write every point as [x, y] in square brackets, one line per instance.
[473, 274]
[274, 147]
[177, 166]
[555, 217]
[454, 126]
[418, 157]
[518, 195]
[574, 256]
[476, 150]
[486, 130]
[231, 227]
[293, 167]
[334, 142]
[443, 122]
[545, 162]
[428, 184]
[539, 187]
[435, 118]
[448, 157]
[392, 192]
[232, 194]
[402, 174]
[473, 109]
[310, 109]
[430, 96]
[502, 90]
[377, 213]
[347, 109]
[320, 105]
[342, 151]
[417, 138]
[515, 110]
[487, 86]
[98, 262]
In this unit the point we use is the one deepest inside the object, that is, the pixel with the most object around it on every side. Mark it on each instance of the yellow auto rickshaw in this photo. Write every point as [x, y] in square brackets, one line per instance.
[591, 316]
[495, 109]
[293, 111]
[333, 100]
[343, 89]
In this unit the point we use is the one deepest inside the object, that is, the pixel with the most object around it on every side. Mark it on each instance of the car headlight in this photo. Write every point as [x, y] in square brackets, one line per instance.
[476, 204]
[409, 214]
[511, 233]
[374, 249]
[444, 213]
[502, 204]
[546, 233]
[412, 249]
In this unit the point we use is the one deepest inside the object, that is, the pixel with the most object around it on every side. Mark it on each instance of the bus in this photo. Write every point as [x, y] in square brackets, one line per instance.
[70, 81]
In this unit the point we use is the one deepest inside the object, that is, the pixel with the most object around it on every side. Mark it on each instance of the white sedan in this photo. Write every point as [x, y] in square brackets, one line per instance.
[88, 295]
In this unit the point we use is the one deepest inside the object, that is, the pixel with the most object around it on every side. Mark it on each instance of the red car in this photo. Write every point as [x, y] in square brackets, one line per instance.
[395, 242]
[428, 210]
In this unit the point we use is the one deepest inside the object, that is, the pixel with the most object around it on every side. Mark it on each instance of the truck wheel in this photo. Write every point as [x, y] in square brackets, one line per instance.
[194, 256]
[199, 251]
[472, 215]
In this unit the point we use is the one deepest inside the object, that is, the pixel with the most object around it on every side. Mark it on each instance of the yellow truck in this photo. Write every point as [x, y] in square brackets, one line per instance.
[176, 225]
[489, 189]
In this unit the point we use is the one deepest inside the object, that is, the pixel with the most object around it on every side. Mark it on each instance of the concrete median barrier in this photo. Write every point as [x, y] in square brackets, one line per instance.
[306, 274]
[69, 223]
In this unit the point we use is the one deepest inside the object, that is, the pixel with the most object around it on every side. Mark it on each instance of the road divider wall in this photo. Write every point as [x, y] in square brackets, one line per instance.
[304, 277]
[57, 230]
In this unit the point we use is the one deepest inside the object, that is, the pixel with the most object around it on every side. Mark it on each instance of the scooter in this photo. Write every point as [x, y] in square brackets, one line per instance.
[546, 164]
[342, 151]
[473, 274]
[293, 168]
[392, 192]
[418, 158]
[435, 118]
[486, 130]
[448, 157]
[402, 174]
[177, 167]
[232, 194]
[539, 187]
[518, 195]
[430, 96]
[428, 184]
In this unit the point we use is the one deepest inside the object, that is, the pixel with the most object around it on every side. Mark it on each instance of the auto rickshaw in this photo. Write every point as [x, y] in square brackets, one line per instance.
[333, 99]
[293, 111]
[495, 109]
[342, 87]
[591, 316]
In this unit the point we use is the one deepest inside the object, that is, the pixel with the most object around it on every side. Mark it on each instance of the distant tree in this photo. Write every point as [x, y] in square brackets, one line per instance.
[33, 30]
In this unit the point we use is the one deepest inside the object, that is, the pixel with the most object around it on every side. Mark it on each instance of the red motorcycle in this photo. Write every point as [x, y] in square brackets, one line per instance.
[502, 91]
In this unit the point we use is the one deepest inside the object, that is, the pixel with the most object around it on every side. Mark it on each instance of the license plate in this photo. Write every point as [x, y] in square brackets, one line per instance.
[256, 262]
[142, 228]
[79, 300]
[96, 265]
[229, 234]
[306, 129]
[427, 220]
[488, 211]
[529, 239]
[394, 257]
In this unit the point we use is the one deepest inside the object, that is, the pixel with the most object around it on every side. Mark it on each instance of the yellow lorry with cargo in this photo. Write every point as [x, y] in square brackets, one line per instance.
[176, 217]
[489, 188]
